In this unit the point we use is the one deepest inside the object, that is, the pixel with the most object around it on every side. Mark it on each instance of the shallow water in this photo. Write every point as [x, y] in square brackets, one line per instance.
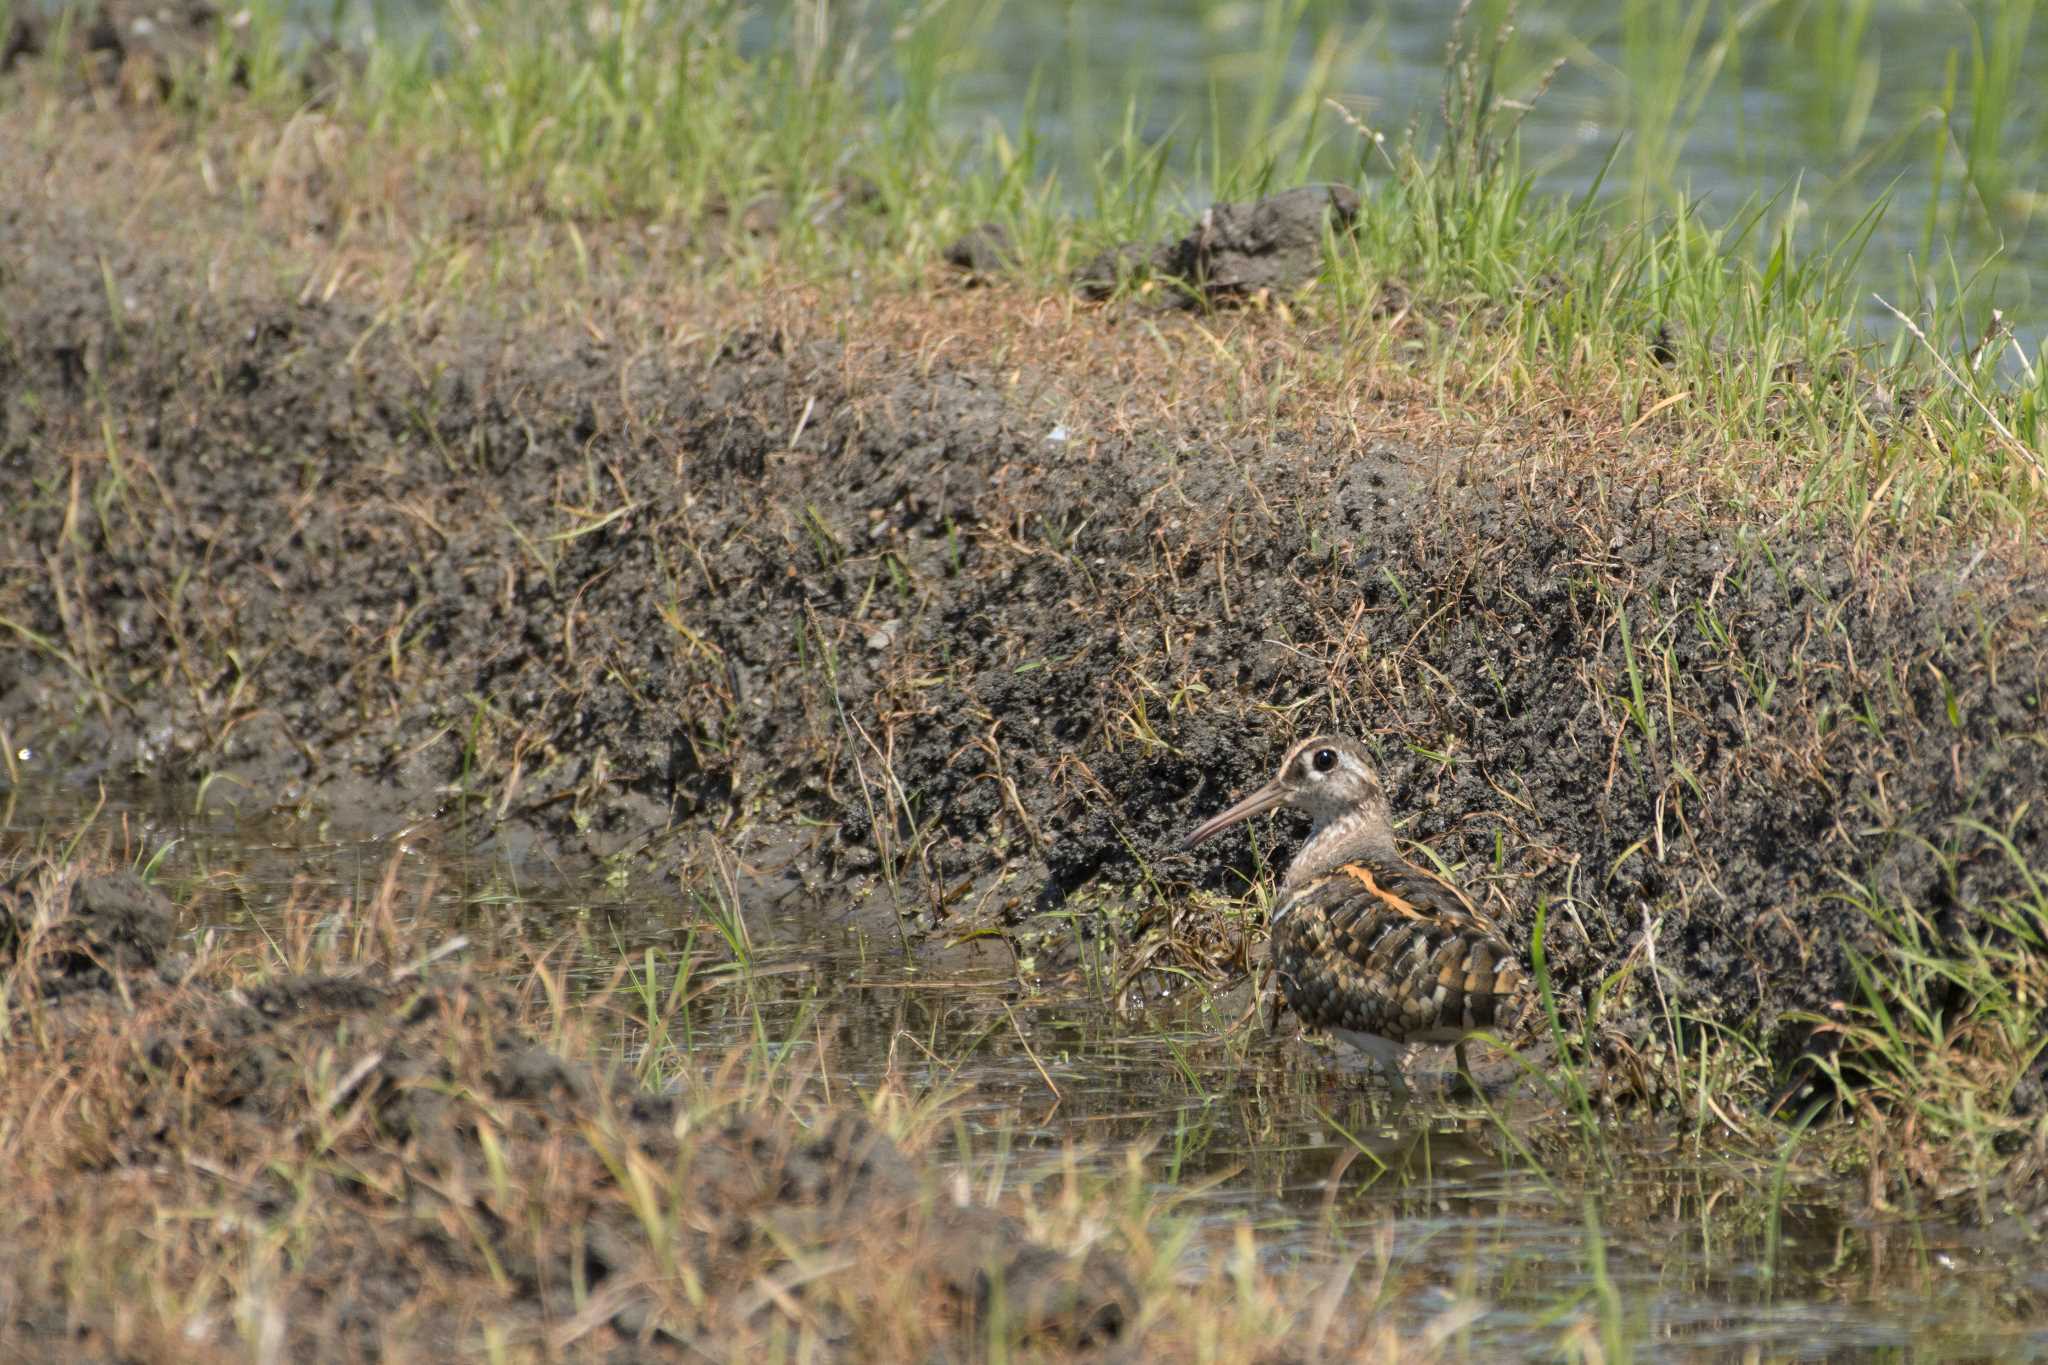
[1321, 1161]
[1794, 112]
[1664, 1248]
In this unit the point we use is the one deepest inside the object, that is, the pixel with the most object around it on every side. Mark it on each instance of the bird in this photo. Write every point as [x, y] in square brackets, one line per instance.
[1369, 947]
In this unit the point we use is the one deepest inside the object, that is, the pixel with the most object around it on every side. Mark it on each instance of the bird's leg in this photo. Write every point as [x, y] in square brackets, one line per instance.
[1384, 1052]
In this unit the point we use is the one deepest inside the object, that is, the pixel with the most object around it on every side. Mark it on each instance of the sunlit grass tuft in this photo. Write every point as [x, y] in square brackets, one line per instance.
[1945, 1029]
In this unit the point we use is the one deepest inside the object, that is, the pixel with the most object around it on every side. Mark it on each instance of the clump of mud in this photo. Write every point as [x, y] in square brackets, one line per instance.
[103, 928]
[150, 52]
[1234, 253]
[435, 1165]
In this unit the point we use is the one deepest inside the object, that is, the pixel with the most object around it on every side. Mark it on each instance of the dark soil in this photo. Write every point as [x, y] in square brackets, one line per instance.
[1234, 253]
[598, 600]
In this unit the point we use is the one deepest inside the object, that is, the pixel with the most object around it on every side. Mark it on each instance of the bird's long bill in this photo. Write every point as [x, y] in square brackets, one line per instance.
[1260, 801]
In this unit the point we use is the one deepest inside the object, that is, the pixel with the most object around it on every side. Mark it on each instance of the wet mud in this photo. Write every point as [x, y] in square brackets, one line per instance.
[586, 602]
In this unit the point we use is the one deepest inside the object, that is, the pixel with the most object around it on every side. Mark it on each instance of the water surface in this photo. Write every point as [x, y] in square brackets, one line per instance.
[1525, 1242]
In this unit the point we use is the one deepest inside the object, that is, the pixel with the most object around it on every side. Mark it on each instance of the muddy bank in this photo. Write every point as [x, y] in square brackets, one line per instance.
[982, 610]
[441, 1171]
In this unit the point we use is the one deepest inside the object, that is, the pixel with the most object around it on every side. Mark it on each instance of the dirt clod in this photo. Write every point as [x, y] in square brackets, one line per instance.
[1236, 251]
[114, 924]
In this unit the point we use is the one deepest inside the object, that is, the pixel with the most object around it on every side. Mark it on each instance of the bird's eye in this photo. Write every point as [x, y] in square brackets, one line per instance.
[1324, 759]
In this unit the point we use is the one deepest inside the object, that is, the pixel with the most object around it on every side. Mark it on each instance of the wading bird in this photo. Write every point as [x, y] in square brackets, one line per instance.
[1376, 950]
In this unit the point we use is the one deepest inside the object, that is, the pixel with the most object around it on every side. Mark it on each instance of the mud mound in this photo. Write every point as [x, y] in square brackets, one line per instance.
[594, 604]
[435, 1162]
[151, 51]
[110, 925]
[1235, 252]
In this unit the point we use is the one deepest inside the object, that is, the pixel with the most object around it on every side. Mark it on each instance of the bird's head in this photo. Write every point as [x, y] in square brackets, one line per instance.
[1329, 779]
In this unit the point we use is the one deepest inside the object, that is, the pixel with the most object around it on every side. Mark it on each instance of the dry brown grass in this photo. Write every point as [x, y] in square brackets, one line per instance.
[348, 1137]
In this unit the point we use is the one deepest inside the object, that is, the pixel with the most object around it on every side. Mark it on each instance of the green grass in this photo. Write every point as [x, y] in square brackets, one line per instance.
[659, 113]
[1945, 1028]
[839, 144]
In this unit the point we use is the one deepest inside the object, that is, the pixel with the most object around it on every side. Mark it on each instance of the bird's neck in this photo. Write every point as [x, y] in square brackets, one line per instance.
[1354, 836]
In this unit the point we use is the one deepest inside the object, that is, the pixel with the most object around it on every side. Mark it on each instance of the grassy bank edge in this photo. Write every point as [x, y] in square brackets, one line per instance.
[831, 150]
[1522, 300]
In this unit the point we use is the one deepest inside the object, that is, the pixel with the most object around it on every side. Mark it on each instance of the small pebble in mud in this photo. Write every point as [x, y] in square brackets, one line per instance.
[884, 635]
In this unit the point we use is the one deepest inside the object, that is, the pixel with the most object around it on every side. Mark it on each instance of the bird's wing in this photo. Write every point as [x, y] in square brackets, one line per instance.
[1400, 886]
[1394, 950]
